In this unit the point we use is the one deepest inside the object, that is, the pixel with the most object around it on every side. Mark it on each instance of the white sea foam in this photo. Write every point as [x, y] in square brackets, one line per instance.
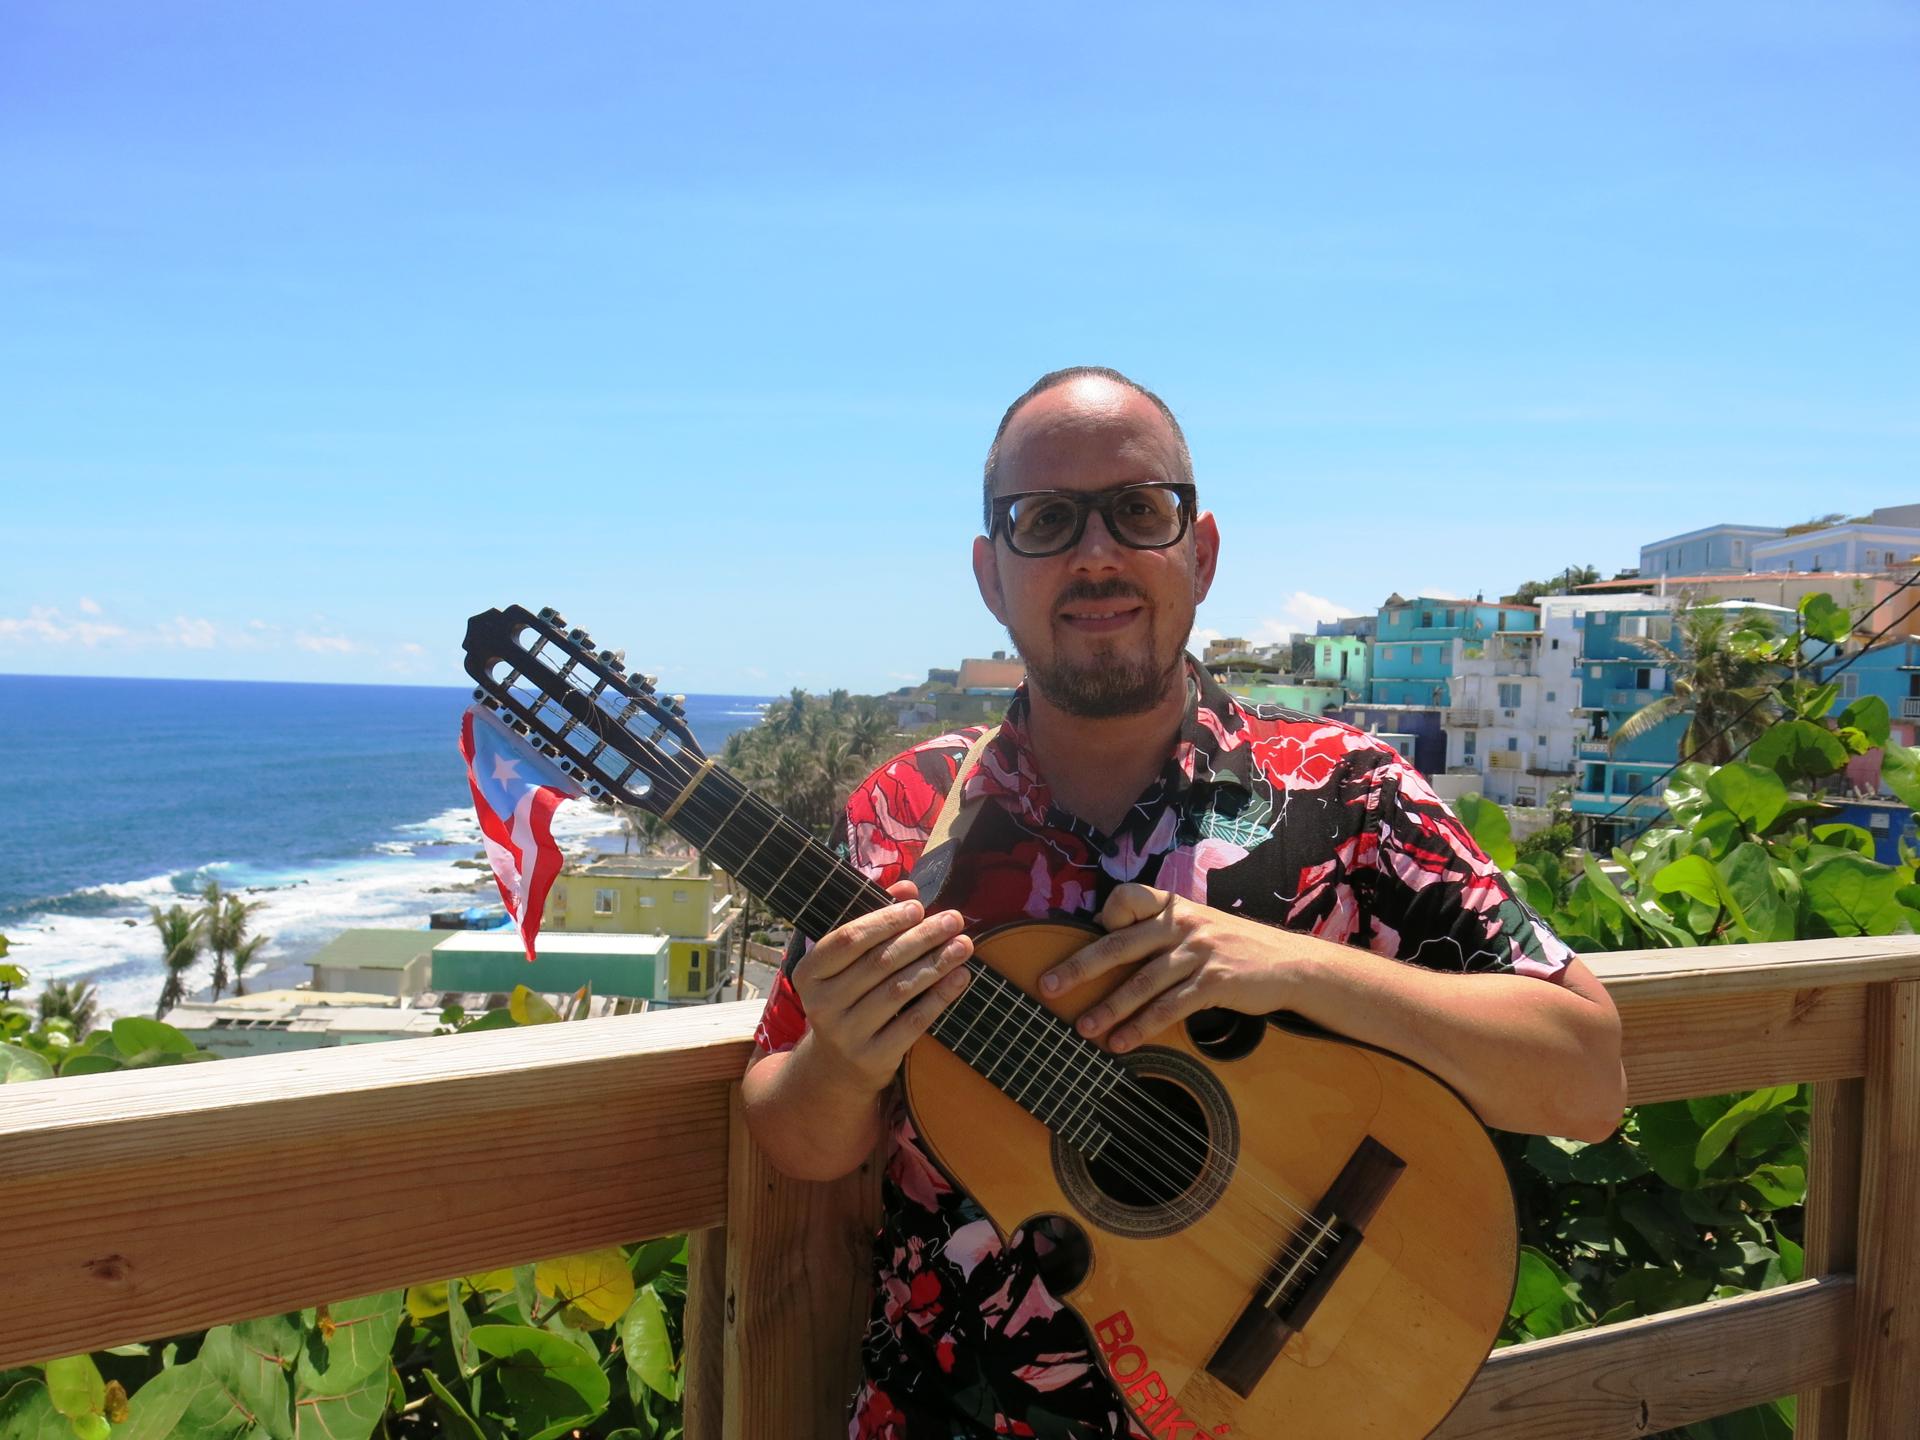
[120, 953]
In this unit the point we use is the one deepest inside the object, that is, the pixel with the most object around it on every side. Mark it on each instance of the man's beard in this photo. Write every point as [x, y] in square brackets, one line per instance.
[1107, 686]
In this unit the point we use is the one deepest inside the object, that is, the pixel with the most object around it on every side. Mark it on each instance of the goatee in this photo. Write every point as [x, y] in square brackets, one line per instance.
[1109, 685]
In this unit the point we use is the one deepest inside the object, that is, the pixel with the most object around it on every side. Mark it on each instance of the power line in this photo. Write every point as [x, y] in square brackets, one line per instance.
[1734, 723]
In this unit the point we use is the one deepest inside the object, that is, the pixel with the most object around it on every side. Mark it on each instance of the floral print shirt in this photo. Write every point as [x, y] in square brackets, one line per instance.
[1295, 820]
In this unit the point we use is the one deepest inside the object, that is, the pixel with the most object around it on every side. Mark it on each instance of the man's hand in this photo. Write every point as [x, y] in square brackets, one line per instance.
[1195, 958]
[873, 986]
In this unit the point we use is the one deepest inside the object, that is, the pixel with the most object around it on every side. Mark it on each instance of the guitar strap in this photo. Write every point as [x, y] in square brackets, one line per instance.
[949, 831]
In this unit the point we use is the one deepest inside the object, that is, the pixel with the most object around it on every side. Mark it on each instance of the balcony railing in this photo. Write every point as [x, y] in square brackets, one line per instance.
[1593, 749]
[1463, 717]
[152, 1202]
[1910, 707]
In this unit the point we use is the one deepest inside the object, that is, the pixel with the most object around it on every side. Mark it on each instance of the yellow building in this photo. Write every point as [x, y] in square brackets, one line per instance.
[652, 895]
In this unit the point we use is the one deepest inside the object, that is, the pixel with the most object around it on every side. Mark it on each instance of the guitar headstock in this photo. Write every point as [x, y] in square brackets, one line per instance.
[576, 704]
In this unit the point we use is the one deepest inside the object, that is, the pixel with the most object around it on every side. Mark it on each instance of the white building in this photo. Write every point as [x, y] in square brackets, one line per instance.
[1515, 722]
[1885, 540]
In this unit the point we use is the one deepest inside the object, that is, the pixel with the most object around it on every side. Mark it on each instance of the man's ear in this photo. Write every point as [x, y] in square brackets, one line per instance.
[986, 574]
[1206, 554]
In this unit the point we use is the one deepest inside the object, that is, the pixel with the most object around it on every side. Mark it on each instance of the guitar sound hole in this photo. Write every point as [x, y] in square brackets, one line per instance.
[1157, 1153]
[1161, 1150]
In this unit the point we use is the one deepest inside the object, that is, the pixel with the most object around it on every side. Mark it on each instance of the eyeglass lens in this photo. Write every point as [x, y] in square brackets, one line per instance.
[1147, 517]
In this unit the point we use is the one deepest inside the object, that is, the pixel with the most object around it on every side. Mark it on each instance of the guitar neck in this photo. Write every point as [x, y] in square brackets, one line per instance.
[1022, 1049]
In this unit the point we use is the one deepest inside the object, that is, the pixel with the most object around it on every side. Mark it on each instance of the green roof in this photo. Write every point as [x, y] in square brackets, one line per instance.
[376, 949]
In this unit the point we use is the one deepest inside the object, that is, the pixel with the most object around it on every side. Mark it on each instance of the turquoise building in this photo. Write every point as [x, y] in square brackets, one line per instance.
[1617, 789]
[1412, 662]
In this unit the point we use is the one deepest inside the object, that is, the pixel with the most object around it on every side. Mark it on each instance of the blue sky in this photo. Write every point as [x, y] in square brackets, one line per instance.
[322, 326]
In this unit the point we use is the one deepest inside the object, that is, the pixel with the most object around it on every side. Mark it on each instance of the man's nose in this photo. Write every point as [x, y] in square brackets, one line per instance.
[1096, 549]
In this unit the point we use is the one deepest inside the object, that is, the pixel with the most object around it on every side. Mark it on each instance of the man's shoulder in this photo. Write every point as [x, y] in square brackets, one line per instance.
[1282, 741]
[933, 761]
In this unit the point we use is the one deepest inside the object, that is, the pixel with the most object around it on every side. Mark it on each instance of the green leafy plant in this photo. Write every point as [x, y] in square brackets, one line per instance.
[1702, 1198]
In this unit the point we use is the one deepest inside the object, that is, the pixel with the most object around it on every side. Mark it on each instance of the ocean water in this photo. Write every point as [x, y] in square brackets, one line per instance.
[333, 805]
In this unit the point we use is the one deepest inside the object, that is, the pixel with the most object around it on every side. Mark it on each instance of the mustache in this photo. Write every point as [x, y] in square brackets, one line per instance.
[1110, 589]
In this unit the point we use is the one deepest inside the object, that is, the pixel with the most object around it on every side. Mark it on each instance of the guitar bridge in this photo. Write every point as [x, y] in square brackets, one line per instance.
[1310, 1262]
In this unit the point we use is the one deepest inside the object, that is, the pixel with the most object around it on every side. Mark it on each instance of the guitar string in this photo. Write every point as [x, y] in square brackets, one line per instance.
[1134, 1101]
[1131, 1101]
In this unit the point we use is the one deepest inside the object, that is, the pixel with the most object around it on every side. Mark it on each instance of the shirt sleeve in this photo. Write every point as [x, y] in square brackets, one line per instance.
[1436, 899]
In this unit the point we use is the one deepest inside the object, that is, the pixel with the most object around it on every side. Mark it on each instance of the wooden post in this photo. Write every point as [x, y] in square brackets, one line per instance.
[1833, 1228]
[703, 1339]
[1886, 1375]
[797, 1279]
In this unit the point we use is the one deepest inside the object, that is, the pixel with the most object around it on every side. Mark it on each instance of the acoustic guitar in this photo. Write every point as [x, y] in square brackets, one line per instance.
[1277, 1232]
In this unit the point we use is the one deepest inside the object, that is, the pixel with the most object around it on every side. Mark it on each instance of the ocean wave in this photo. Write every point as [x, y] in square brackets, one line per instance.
[102, 933]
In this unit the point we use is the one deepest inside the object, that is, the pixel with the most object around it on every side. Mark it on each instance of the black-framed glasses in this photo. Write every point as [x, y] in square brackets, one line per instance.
[1149, 516]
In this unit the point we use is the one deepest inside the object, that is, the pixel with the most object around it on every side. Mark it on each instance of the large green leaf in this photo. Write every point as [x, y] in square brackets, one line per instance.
[349, 1413]
[27, 1413]
[1691, 875]
[1487, 823]
[656, 1256]
[1667, 1135]
[1752, 792]
[1900, 773]
[1799, 749]
[454, 1419]
[1852, 894]
[1719, 1135]
[75, 1386]
[648, 1346]
[19, 1065]
[355, 1341]
[1822, 619]
[1545, 1299]
[1856, 838]
[552, 1383]
[154, 1411]
[596, 1283]
[252, 1359]
[460, 1328]
[141, 1040]
[1606, 1162]
[1687, 797]
[1751, 896]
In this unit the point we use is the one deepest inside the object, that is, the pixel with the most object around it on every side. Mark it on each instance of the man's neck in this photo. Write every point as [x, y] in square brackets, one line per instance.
[1096, 769]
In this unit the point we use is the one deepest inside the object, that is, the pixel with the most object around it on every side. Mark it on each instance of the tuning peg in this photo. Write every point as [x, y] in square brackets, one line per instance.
[579, 636]
[678, 705]
[614, 660]
[478, 693]
[647, 682]
[550, 615]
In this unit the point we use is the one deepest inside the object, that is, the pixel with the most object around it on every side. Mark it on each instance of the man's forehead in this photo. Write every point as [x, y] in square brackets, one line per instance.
[1082, 431]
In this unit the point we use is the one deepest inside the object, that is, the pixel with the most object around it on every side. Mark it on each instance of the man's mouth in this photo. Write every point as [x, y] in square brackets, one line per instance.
[1099, 619]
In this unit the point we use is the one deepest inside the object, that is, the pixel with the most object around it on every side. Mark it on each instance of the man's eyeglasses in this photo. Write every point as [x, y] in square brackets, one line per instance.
[1046, 522]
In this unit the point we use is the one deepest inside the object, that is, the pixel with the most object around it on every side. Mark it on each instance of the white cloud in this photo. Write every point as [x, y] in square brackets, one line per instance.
[188, 632]
[46, 625]
[409, 648]
[88, 606]
[1301, 611]
[325, 644]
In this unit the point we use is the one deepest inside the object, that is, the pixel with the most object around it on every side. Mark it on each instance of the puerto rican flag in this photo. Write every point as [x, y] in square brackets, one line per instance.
[515, 792]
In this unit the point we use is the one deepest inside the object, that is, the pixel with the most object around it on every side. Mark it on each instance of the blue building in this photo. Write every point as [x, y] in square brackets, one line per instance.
[1413, 644]
[1617, 789]
[1885, 540]
[1360, 626]
[1712, 550]
[1414, 730]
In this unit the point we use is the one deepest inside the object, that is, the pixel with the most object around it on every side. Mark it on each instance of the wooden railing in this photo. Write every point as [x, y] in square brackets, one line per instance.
[155, 1202]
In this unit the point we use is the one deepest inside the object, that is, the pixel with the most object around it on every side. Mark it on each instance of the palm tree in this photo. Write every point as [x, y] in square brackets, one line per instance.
[243, 955]
[75, 1001]
[1725, 673]
[180, 941]
[224, 920]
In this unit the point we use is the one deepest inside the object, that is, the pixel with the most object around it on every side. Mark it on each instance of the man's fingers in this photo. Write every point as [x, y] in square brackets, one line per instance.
[911, 1023]
[1131, 903]
[1147, 936]
[871, 1012]
[1170, 1008]
[840, 948]
[1150, 980]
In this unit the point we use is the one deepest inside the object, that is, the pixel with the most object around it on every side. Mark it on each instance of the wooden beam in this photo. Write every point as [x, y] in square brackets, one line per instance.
[155, 1202]
[1677, 1046]
[1886, 1374]
[703, 1336]
[1626, 1381]
[1832, 1228]
[798, 1279]
[1783, 965]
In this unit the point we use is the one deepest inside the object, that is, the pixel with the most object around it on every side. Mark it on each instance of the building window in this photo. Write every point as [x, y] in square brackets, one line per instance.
[1510, 697]
[1540, 740]
[1849, 687]
[646, 902]
[1593, 672]
[1549, 697]
[679, 897]
[605, 902]
[1419, 654]
[1554, 644]
[1426, 619]
[1513, 744]
[1472, 737]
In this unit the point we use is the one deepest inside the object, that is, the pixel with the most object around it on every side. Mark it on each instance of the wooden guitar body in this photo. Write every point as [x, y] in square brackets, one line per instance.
[1399, 1325]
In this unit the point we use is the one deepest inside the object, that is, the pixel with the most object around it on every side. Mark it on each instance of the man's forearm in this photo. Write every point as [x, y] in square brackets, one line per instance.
[810, 1127]
[1529, 1055]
